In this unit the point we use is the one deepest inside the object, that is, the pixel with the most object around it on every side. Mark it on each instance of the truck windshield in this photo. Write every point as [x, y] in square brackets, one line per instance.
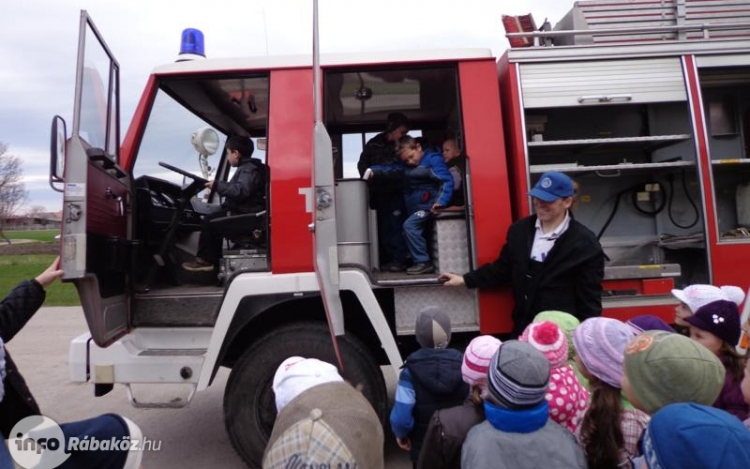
[231, 106]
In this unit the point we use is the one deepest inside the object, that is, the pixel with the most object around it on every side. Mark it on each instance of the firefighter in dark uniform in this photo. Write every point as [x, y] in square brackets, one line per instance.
[552, 261]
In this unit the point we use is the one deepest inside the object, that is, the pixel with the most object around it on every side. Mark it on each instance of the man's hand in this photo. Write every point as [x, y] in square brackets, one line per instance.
[368, 174]
[451, 280]
[404, 443]
[50, 274]
[436, 208]
[208, 185]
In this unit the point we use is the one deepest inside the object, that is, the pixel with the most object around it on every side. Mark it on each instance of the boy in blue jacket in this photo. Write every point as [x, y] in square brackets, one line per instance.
[431, 379]
[428, 186]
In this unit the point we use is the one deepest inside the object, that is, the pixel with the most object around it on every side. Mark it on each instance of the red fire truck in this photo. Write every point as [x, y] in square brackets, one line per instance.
[651, 120]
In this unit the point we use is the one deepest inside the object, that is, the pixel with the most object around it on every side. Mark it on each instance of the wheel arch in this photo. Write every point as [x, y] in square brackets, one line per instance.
[254, 316]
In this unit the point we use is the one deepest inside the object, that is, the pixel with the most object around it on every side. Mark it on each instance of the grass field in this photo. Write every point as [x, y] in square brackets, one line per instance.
[44, 236]
[15, 268]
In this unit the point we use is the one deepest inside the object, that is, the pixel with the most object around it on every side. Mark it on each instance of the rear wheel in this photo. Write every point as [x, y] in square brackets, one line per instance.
[249, 404]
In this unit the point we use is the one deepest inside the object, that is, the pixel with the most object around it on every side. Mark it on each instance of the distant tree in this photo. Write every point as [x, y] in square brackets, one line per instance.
[12, 190]
[38, 214]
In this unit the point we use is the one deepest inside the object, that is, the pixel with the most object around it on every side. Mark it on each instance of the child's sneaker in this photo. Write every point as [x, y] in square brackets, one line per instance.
[198, 265]
[421, 268]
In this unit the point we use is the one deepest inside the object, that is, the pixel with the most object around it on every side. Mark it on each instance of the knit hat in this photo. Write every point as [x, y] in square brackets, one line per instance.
[720, 318]
[600, 344]
[695, 296]
[297, 374]
[396, 120]
[433, 329]
[663, 368]
[648, 322]
[547, 337]
[518, 375]
[733, 293]
[476, 361]
[331, 425]
[692, 436]
[566, 321]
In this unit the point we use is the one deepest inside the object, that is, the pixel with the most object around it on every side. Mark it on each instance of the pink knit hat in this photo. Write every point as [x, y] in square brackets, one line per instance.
[600, 345]
[547, 337]
[477, 361]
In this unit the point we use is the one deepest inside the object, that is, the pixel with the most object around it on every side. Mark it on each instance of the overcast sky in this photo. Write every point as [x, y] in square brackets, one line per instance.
[38, 40]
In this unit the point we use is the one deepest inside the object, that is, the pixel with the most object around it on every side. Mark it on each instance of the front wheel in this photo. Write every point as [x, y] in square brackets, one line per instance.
[249, 404]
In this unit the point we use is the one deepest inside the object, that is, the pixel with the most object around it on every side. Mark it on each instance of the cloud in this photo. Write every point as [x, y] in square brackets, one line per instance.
[39, 38]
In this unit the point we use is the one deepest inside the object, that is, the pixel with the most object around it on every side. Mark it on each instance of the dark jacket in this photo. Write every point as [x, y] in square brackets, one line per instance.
[569, 279]
[246, 191]
[730, 398]
[380, 151]
[15, 311]
[438, 384]
[441, 448]
[425, 184]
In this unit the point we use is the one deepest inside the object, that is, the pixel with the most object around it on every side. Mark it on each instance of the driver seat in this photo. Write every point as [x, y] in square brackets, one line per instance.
[244, 231]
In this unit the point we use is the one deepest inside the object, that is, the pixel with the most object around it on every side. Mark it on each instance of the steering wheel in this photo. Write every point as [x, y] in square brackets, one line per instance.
[196, 179]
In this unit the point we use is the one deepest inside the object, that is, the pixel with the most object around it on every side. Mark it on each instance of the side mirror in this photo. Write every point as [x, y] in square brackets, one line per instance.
[58, 139]
[261, 144]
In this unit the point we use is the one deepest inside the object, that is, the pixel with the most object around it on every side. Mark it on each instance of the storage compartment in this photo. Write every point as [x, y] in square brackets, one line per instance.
[726, 99]
[636, 165]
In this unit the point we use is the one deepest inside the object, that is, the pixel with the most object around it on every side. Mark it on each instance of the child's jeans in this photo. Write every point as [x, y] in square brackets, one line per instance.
[414, 229]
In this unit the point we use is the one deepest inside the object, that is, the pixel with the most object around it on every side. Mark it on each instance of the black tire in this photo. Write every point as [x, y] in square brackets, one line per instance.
[249, 403]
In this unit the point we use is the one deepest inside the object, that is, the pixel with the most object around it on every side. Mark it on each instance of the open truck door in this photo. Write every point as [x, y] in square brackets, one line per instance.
[97, 191]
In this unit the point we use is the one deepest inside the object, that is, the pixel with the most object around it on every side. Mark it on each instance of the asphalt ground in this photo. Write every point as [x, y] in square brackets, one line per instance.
[191, 437]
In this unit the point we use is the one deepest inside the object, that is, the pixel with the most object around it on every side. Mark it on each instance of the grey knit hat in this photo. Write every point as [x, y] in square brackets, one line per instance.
[433, 329]
[518, 375]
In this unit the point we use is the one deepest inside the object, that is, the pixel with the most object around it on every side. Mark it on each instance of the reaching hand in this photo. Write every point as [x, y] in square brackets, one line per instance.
[368, 174]
[451, 280]
[208, 185]
[50, 273]
[404, 443]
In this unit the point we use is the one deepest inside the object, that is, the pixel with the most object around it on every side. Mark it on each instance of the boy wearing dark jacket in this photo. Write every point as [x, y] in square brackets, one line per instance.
[244, 193]
[430, 380]
[428, 186]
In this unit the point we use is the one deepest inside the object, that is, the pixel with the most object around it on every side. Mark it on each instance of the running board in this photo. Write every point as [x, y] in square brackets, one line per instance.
[173, 400]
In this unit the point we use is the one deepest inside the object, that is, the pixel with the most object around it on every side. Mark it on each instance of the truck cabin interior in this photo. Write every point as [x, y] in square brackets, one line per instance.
[170, 205]
[357, 103]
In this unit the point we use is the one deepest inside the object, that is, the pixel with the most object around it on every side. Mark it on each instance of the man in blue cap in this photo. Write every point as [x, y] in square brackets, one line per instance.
[552, 261]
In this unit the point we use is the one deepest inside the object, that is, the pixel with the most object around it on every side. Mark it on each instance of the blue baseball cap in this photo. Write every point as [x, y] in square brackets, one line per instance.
[693, 436]
[552, 186]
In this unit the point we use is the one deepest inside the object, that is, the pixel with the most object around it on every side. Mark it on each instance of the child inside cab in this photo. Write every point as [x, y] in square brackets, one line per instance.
[428, 186]
[716, 326]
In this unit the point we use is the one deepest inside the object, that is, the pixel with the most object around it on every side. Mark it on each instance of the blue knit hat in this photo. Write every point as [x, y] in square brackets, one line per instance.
[693, 436]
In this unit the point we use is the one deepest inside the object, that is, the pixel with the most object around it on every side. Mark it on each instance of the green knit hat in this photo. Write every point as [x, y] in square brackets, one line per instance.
[665, 368]
[565, 321]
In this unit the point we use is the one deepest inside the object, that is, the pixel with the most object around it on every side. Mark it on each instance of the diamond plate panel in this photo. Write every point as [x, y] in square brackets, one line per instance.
[459, 303]
[450, 249]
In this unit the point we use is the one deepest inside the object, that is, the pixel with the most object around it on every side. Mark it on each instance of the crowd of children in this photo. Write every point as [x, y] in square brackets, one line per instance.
[597, 394]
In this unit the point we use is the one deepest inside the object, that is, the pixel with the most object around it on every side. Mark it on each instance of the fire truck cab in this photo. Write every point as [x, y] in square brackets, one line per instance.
[655, 133]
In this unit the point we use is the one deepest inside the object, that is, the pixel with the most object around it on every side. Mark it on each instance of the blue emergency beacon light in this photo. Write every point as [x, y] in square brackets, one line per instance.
[191, 46]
